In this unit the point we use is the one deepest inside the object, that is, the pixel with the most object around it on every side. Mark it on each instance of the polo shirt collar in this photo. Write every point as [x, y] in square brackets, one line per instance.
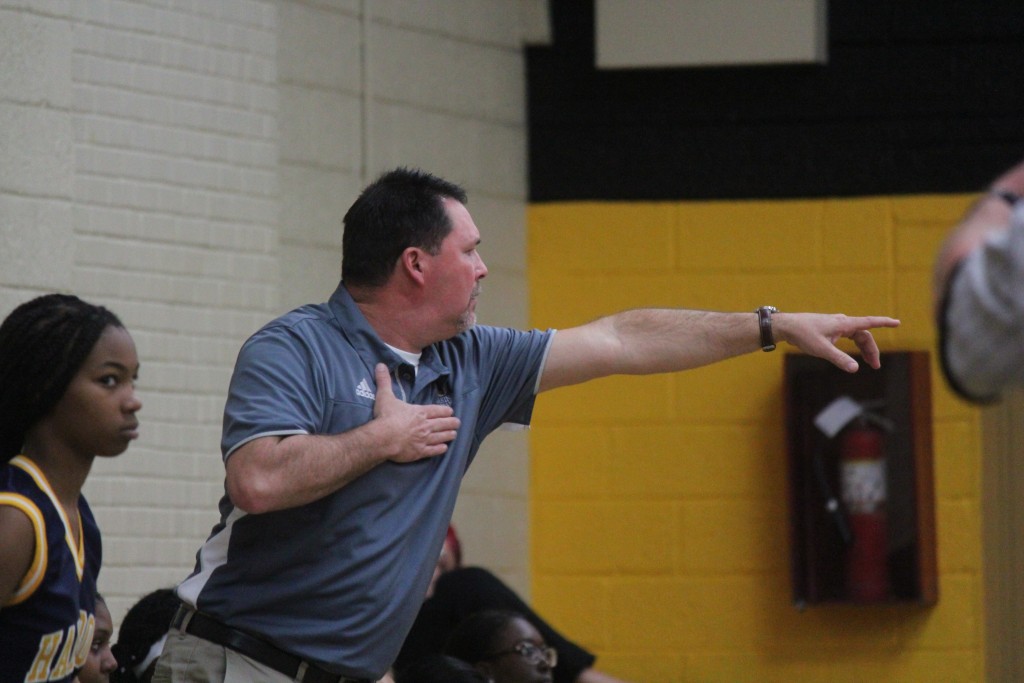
[365, 340]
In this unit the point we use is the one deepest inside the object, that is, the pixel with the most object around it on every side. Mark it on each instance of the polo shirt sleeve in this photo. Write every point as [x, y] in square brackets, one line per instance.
[508, 364]
[981, 321]
[276, 389]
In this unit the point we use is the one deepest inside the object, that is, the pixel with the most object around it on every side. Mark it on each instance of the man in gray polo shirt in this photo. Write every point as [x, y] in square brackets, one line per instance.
[349, 425]
[979, 292]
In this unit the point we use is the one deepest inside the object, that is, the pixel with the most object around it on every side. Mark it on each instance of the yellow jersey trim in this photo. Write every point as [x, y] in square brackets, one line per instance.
[34, 576]
[77, 549]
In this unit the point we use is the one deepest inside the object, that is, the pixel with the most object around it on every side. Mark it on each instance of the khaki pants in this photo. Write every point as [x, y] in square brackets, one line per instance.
[187, 659]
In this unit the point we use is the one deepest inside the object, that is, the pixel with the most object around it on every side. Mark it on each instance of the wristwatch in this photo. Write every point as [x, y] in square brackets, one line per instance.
[764, 322]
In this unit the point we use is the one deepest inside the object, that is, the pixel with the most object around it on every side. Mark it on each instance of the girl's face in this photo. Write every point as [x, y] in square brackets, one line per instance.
[520, 657]
[100, 661]
[96, 414]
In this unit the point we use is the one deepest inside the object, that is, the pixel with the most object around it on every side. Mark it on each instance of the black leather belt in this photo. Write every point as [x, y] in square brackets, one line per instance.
[198, 624]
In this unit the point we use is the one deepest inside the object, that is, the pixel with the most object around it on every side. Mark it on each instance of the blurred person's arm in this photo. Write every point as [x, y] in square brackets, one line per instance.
[979, 293]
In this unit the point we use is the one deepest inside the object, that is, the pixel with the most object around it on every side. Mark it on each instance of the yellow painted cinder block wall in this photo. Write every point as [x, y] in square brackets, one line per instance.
[659, 504]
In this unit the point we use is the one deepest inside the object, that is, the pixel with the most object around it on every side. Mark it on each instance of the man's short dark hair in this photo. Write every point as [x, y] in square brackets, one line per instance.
[403, 208]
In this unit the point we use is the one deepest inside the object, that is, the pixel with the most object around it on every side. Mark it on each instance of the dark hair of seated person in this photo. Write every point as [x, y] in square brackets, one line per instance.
[141, 635]
[504, 646]
[477, 636]
[439, 669]
[463, 592]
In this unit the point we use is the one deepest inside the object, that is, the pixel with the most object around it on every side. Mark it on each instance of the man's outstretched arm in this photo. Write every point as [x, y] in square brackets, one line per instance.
[646, 341]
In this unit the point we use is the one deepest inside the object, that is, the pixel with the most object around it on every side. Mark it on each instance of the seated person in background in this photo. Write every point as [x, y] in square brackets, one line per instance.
[458, 592]
[141, 636]
[441, 669]
[100, 662]
[503, 646]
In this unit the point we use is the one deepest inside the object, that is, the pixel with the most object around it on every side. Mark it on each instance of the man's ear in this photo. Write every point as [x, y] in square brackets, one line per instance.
[413, 261]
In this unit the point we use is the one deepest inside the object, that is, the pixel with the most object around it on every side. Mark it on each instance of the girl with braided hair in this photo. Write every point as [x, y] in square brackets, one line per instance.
[67, 395]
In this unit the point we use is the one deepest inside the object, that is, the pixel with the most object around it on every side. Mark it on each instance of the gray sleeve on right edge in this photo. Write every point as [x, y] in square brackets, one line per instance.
[981, 323]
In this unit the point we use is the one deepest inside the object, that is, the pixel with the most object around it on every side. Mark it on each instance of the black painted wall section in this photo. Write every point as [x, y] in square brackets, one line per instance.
[917, 97]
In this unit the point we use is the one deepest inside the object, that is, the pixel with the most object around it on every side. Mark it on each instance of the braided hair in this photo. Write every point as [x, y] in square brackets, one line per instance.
[43, 343]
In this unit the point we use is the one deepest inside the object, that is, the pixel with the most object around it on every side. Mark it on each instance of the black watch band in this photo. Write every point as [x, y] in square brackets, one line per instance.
[764, 322]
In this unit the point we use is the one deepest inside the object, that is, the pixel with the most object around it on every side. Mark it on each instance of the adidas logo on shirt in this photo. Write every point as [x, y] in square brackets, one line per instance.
[364, 390]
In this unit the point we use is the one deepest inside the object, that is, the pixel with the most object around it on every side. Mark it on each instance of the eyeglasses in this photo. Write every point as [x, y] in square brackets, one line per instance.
[534, 654]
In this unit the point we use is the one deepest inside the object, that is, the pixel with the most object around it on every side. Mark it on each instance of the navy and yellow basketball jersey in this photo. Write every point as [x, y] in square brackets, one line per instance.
[47, 627]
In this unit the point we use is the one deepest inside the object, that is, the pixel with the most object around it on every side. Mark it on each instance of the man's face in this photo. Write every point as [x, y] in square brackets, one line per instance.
[456, 271]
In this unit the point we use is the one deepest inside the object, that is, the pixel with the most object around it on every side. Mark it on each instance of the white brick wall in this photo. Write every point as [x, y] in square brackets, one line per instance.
[187, 164]
[320, 62]
[176, 205]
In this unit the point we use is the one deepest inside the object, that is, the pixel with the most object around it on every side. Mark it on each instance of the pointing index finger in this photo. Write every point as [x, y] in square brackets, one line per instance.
[870, 321]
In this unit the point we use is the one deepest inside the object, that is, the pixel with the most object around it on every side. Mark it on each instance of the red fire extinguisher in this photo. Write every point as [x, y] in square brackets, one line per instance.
[863, 482]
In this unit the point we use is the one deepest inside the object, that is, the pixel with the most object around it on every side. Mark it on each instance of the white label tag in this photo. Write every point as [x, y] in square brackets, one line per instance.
[864, 485]
[837, 415]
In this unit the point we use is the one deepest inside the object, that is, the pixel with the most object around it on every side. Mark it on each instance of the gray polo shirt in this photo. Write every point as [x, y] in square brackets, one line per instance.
[981, 323]
[339, 581]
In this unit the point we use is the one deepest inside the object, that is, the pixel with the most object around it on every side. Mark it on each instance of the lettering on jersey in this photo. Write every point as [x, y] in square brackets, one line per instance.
[86, 631]
[77, 643]
[66, 662]
[39, 672]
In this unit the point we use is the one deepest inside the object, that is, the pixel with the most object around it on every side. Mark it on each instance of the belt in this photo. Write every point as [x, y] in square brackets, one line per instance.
[187, 620]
